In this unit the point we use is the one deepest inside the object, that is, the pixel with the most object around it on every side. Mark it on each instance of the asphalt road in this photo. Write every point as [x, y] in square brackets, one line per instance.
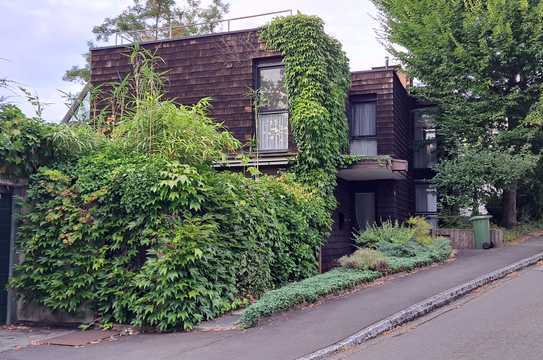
[502, 321]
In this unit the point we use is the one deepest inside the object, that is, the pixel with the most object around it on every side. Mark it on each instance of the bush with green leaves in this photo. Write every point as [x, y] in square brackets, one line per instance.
[28, 143]
[389, 232]
[399, 240]
[474, 175]
[365, 259]
[183, 133]
[156, 243]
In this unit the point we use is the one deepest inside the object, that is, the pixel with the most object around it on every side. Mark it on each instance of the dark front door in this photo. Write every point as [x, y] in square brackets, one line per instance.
[364, 207]
[5, 235]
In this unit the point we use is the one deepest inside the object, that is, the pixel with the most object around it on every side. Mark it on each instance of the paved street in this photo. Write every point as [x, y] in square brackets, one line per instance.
[503, 321]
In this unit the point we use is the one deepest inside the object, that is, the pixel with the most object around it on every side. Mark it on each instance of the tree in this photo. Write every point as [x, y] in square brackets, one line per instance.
[480, 62]
[471, 178]
[153, 19]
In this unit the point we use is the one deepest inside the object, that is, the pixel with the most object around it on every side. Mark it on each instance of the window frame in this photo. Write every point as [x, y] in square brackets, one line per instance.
[258, 66]
[425, 147]
[354, 100]
[429, 188]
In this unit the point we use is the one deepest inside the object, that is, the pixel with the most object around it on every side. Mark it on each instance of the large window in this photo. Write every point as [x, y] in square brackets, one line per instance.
[425, 139]
[272, 108]
[425, 198]
[363, 128]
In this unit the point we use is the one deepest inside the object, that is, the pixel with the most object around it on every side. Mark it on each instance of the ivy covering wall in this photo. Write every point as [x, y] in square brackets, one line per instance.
[140, 228]
[317, 79]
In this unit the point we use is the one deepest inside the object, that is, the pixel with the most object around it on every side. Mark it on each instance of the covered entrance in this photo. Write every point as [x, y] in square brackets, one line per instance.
[369, 192]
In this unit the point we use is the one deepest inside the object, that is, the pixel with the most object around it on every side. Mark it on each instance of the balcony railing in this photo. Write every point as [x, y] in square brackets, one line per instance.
[203, 28]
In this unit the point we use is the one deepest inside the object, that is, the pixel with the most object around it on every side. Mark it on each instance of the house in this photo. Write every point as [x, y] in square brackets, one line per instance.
[388, 127]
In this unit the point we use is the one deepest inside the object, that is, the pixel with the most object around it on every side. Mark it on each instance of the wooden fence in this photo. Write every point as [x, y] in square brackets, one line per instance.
[463, 238]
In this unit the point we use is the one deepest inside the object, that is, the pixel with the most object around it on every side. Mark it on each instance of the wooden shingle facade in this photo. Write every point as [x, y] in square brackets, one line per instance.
[224, 67]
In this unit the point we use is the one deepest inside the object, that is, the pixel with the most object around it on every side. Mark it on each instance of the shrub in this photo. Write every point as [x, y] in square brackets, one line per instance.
[155, 243]
[365, 259]
[388, 231]
[422, 229]
[176, 132]
[28, 143]
[305, 291]
[438, 251]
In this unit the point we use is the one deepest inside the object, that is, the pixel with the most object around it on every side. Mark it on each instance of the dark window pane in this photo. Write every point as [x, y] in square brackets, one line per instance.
[363, 119]
[272, 89]
[425, 139]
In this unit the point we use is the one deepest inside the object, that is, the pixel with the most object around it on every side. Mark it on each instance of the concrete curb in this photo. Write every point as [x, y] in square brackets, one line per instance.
[420, 309]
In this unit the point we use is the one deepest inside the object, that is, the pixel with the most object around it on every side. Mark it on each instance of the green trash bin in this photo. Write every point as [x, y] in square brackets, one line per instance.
[481, 230]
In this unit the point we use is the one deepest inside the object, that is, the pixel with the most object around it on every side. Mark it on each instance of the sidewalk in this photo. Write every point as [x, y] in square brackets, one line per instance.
[296, 333]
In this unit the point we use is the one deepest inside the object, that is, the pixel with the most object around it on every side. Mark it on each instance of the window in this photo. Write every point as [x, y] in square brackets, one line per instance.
[425, 198]
[272, 109]
[363, 128]
[425, 139]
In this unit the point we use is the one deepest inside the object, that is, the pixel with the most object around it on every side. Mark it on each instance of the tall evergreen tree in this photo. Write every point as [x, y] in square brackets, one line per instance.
[479, 61]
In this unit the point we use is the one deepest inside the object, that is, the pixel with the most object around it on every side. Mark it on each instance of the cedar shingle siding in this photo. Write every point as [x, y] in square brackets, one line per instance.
[218, 66]
[222, 67]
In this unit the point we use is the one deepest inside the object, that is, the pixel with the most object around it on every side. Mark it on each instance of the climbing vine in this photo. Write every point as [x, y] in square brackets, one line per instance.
[317, 80]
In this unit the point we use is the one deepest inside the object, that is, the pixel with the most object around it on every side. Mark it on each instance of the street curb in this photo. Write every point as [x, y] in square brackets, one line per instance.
[420, 309]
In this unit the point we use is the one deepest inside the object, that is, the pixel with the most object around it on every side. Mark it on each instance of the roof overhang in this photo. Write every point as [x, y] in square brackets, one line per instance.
[375, 168]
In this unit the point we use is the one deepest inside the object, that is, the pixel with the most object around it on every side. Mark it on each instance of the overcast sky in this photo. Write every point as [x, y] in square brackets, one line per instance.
[40, 39]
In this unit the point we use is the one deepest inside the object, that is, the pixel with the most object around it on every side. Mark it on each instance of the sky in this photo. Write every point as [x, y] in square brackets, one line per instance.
[42, 38]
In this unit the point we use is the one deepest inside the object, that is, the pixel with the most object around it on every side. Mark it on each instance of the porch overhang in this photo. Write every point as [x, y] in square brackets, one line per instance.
[375, 168]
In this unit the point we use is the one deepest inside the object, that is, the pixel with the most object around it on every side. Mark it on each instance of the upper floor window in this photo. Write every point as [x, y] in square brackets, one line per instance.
[272, 108]
[363, 128]
[425, 155]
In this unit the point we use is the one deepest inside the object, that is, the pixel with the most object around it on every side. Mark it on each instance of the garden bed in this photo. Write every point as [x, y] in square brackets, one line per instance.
[362, 268]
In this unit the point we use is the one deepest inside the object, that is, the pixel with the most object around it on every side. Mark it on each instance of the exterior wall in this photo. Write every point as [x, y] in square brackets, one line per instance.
[219, 66]
[222, 66]
[391, 203]
[393, 125]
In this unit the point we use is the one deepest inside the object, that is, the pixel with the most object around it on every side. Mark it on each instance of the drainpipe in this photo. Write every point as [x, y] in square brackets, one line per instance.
[386, 62]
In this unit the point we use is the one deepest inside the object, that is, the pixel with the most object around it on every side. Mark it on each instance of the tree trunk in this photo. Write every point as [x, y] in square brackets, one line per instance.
[510, 207]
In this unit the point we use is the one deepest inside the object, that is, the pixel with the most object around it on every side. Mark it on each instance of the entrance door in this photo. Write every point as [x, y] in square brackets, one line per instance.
[5, 235]
[364, 206]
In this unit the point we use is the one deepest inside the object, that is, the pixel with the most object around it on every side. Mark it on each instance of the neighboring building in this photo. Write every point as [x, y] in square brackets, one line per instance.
[387, 126]
[9, 190]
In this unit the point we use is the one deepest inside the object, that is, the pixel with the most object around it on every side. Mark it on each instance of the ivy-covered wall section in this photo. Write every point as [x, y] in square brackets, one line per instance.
[317, 79]
[131, 220]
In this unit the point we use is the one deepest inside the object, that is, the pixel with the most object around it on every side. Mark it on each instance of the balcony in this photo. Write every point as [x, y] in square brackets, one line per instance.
[375, 168]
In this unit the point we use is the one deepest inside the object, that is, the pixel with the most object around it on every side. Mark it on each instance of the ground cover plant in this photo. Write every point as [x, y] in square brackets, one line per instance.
[387, 249]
